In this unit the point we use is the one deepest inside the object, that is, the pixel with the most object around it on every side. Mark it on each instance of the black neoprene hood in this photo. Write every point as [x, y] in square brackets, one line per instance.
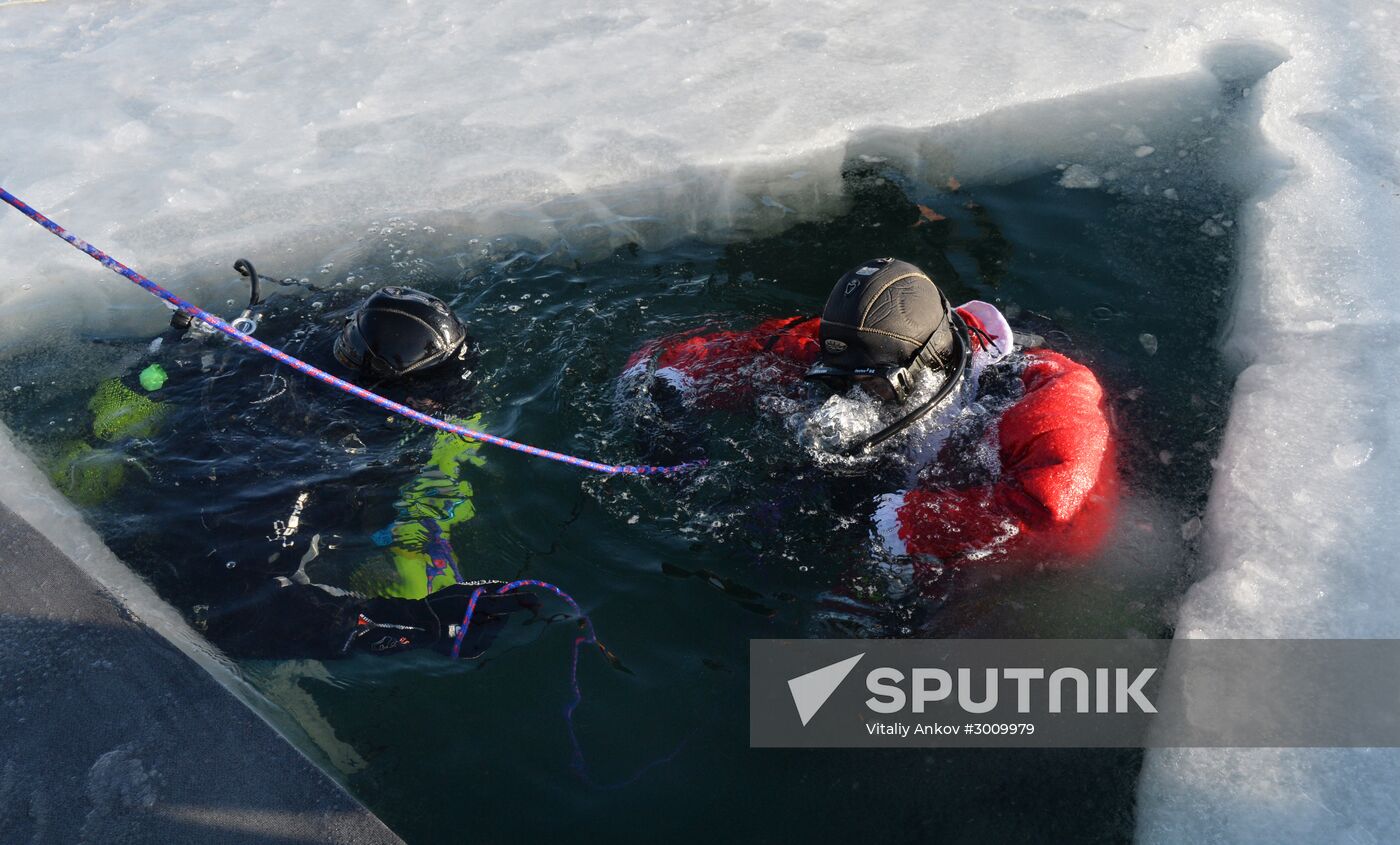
[398, 331]
[880, 315]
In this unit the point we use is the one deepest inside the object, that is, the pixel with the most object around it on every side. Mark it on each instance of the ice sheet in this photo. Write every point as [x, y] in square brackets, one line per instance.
[182, 134]
[178, 135]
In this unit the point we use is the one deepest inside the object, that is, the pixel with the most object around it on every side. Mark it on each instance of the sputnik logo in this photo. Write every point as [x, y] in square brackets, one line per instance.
[810, 691]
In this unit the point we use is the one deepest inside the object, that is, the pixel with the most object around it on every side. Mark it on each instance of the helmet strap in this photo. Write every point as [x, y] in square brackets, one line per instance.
[952, 383]
[902, 379]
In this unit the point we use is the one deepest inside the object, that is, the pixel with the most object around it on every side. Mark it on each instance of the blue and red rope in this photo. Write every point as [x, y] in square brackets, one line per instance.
[586, 635]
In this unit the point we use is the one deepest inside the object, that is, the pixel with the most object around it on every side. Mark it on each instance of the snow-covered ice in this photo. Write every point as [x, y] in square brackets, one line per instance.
[180, 135]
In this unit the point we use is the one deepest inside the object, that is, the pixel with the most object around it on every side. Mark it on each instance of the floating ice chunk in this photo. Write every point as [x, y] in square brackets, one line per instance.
[1149, 342]
[1079, 176]
[1213, 229]
[1353, 454]
[1170, 193]
[1135, 136]
[1144, 151]
[1192, 528]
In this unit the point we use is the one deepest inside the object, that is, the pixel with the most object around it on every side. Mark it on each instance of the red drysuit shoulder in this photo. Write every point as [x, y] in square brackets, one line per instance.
[1058, 489]
[718, 369]
[1055, 441]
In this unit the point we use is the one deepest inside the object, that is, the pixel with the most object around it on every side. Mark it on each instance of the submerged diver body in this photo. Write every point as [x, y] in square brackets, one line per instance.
[1009, 452]
[249, 592]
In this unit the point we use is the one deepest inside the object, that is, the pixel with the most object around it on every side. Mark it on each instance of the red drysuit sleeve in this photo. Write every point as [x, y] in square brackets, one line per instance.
[1058, 487]
[721, 369]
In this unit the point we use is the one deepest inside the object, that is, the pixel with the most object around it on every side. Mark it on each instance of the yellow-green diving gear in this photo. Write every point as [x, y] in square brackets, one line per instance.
[90, 474]
[418, 542]
[118, 412]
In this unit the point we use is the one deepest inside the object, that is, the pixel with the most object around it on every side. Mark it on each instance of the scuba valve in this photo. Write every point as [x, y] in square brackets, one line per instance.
[247, 322]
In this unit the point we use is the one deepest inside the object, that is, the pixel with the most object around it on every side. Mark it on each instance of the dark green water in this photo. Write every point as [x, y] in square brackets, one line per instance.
[678, 576]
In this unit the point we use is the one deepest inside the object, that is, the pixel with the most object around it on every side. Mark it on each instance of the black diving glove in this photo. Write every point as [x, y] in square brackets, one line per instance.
[285, 620]
[280, 620]
[666, 432]
[388, 625]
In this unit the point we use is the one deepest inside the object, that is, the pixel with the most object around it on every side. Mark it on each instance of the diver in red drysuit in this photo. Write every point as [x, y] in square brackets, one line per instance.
[1053, 490]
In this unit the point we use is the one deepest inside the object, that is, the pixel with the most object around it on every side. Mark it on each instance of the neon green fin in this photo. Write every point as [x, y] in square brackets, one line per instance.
[87, 476]
[118, 412]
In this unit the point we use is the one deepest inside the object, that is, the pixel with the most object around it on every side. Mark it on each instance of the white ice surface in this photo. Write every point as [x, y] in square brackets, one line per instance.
[181, 134]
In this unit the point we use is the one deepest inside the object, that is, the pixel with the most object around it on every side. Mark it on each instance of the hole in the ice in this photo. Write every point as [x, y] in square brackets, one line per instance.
[1106, 222]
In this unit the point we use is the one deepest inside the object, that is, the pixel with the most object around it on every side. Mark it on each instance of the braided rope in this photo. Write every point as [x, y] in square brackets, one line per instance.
[586, 635]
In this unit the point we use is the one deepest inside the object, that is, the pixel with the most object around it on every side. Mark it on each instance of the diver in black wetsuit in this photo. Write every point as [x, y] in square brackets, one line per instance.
[249, 592]
[396, 333]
